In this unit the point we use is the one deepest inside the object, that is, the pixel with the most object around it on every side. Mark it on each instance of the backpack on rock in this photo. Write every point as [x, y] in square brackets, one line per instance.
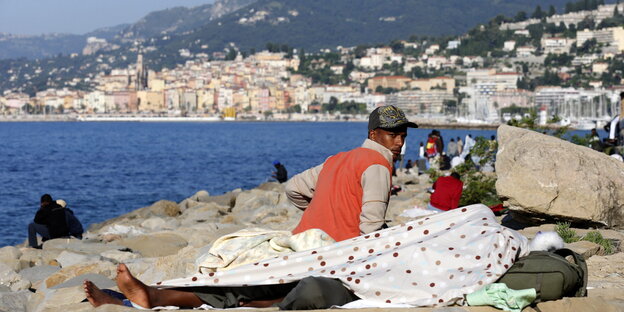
[552, 276]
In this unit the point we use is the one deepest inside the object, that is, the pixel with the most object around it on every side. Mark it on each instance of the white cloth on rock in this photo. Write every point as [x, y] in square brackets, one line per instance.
[433, 261]
[251, 245]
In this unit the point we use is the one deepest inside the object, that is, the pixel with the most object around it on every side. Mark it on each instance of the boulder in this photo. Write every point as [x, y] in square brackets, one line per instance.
[33, 256]
[228, 199]
[251, 200]
[99, 280]
[202, 213]
[271, 186]
[91, 247]
[199, 198]
[179, 265]
[100, 267]
[163, 208]
[38, 273]
[155, 244]
[69, 258]
[11, 279]
[548, 178]
[9, 253]
[118, 256]
[61, 299]
[14, 301]
[160, 224]
[586, 249]
[202, 234]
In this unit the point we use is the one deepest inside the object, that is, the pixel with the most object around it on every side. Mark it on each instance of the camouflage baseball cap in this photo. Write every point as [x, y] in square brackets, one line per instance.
[388, 117]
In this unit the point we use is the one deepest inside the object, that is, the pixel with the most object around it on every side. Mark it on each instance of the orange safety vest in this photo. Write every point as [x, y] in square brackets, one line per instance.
[337, 202]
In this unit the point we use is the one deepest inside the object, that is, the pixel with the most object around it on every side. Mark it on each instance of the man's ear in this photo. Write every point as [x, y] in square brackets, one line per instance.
[371, 134]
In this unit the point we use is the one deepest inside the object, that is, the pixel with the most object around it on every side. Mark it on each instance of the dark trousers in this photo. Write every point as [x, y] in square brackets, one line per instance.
[308, 294]
[33, 230]
[314, 293]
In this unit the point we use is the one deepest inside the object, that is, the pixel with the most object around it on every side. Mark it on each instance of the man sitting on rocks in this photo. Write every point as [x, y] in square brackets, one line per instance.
[348, 194]
[50, 222]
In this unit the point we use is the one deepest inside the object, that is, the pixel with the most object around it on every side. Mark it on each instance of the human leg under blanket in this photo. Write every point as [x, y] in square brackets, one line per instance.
[309, 293]
[221, 297]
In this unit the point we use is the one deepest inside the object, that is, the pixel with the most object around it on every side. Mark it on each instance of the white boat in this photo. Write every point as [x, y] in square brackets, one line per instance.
[584, 125]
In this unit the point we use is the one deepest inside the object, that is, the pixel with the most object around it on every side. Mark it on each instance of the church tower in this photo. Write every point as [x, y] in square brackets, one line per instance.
[140, 80]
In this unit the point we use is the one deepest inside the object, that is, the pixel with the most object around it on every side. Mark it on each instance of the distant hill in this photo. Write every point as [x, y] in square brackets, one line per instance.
[49, 45]
[180, 19]
[171, 21]
[314, 24]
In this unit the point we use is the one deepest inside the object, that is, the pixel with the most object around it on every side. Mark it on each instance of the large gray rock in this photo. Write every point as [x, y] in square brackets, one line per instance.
[251, 200]
[100, 267]
[11, 279]
[99, 280]
[162, 208]
[9, 253]
[14, 301]
[69, 258]
[38, 273]
[155, 244]
[545, 177]
[80, 246]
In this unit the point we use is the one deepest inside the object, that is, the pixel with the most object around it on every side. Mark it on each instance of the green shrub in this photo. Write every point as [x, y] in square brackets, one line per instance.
[596, 237]
[479, 189]
[433, 174]
[567, 234]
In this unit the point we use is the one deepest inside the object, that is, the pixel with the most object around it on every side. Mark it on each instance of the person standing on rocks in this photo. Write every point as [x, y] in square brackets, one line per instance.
[281, 175]
[50, 222]
[451, 148]
[348, 194]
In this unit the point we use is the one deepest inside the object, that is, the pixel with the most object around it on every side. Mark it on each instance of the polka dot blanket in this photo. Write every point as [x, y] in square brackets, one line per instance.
[433, 261]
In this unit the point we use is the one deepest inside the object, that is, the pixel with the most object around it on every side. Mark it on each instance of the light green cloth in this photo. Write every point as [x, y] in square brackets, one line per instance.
[502, 297]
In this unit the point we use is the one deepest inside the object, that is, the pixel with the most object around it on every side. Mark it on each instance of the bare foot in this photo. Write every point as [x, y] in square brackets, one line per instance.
[132, 288]
[97, 297]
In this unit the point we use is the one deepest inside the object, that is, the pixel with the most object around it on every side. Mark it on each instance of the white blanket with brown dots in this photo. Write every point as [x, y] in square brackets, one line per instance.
[433, 261]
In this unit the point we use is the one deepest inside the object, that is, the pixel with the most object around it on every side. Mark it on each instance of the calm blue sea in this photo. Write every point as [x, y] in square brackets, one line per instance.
[106, 169]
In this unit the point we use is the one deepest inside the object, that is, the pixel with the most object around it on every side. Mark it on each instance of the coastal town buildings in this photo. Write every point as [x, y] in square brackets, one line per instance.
[426, 77]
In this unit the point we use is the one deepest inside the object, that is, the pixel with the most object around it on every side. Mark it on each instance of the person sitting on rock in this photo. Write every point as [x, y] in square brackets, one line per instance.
[75, 227]
[50, 222]
[280, 174]
[446, 193]
[348, 194]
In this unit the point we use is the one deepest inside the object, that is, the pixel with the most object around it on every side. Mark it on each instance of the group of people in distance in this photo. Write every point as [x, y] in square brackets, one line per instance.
[346, 196]
[53, 220]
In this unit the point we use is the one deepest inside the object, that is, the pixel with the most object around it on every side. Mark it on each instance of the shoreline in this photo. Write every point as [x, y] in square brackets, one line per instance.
[213, 119]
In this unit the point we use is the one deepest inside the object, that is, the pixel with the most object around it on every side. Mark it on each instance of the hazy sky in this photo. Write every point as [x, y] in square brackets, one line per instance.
[77, 16]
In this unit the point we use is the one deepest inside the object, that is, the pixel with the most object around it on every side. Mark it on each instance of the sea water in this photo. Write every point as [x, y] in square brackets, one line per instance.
[105, 169]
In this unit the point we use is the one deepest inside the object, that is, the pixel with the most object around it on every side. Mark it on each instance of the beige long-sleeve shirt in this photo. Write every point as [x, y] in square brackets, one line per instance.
[375, 181]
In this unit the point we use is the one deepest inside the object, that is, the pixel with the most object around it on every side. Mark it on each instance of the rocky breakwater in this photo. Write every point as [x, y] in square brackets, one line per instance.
[163, 240]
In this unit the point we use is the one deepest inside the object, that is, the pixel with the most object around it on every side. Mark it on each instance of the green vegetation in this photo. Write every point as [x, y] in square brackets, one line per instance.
[570, 236]
[583, 5]
[349, 107]
[479, 187]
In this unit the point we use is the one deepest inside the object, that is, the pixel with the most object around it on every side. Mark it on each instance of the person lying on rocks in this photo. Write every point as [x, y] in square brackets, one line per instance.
[306, 294]
[348, 194]
[432, 261]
